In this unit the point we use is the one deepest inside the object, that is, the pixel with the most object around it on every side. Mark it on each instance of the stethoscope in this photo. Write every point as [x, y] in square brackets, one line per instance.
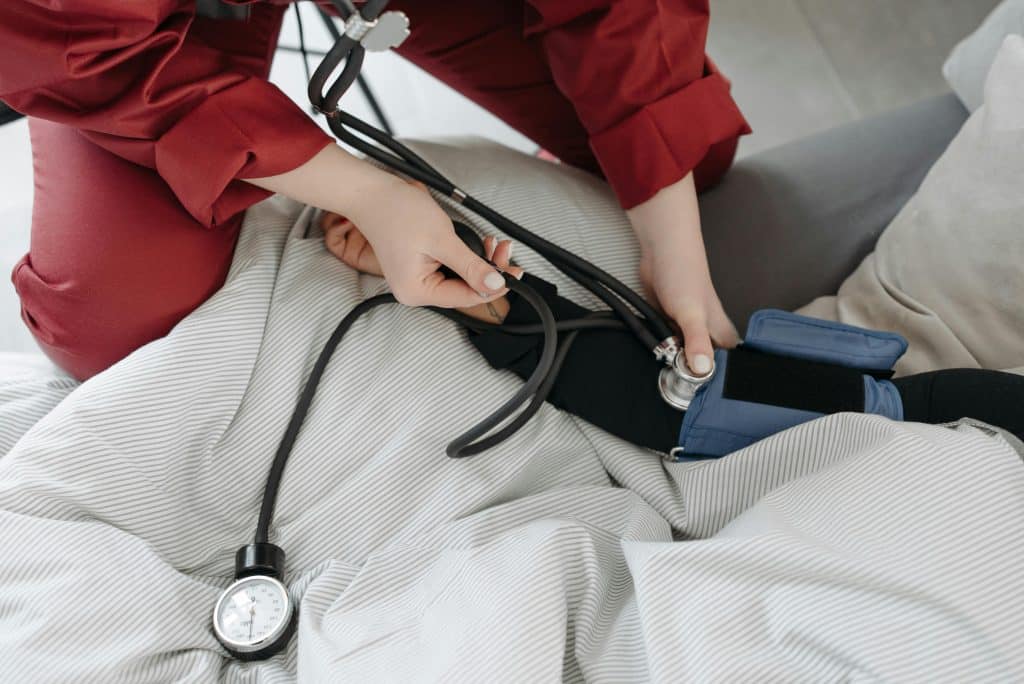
[255, 617]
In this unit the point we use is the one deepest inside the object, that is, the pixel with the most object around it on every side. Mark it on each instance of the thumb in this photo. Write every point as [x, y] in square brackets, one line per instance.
[477, 273]
[697, 344]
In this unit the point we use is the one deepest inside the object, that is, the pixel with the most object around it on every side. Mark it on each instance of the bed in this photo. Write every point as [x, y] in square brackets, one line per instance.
[849, 548]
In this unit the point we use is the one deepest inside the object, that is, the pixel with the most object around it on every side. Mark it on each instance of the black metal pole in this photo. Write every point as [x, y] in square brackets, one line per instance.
[7, 115]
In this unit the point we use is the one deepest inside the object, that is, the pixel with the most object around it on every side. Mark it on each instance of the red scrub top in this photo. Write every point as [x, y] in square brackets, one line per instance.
[146, 81]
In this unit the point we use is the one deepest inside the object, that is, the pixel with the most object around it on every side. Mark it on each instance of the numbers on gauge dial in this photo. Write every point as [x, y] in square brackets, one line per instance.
[253, 611]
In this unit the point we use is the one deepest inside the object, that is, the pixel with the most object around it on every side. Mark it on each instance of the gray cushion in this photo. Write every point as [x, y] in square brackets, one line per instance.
[790, 224]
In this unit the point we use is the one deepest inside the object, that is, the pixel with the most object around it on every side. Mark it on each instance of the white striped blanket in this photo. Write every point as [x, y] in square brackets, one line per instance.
[850, 548]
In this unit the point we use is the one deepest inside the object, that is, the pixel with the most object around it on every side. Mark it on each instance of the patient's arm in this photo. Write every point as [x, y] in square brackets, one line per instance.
[611, 381]
[608, 379]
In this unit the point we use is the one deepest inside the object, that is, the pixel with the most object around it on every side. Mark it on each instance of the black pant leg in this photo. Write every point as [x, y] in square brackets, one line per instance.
[948, 395]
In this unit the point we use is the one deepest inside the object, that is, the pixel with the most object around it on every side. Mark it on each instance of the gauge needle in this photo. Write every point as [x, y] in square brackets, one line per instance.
[252, 616]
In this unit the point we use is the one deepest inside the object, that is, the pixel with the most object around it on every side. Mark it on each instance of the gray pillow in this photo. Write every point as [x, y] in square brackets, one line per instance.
[968, 64]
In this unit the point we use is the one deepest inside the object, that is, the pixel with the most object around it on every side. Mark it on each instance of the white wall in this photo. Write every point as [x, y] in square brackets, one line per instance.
[15, 214]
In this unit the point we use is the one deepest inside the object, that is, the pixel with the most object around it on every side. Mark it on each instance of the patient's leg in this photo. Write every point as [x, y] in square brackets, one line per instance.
[948, 395]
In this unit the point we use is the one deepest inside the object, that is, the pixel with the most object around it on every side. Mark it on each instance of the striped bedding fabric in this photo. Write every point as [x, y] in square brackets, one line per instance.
[850, 548]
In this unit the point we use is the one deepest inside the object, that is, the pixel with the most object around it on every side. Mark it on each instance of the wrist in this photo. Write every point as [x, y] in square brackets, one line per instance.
[334, 180]
[356, 187]
[372, 189]
[671, 216]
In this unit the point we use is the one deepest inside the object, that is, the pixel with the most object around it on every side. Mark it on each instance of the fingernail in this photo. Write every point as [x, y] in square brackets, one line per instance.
[494, 281]
[510, 246]
[701, 364]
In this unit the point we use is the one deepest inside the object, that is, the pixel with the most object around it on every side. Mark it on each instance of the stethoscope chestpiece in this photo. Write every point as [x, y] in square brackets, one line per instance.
[678, 385]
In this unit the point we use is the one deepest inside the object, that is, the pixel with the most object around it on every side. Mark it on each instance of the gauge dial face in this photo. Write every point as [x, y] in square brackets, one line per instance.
[251, 612]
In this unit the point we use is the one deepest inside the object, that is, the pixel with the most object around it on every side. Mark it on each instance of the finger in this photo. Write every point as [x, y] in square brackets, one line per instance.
[335, 241]
[477, 273]
[331, 221]
[490, 243]
[354, 245]
[364, 258]
[368, 262]
[336, 237]
[328, 219]
[344, 226]
[358, 253]
[337, 230]
[436, 290]
[723, 332]
[502, 256]
[696, 343]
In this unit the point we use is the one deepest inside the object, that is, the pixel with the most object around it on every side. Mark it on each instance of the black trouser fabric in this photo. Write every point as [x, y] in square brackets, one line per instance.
[947, 395]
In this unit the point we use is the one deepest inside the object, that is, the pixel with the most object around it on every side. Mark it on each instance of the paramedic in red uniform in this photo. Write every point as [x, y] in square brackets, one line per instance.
[153, 129]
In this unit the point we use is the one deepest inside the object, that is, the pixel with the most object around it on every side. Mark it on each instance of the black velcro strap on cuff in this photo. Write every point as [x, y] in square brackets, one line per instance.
[792, 383]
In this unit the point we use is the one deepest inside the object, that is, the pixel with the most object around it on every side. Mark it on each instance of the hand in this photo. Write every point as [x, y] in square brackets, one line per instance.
[344, 240]
[675, 275]
[411, 236]
[682, 288]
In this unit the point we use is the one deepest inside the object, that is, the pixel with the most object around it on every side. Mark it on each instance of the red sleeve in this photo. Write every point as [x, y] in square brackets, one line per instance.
[128, 74]
[636, 72]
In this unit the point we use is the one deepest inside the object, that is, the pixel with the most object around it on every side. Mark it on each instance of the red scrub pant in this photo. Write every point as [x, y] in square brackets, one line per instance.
[115, 261]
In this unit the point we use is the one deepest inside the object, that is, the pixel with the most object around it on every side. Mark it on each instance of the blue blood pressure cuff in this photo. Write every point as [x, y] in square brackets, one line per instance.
[790, 369]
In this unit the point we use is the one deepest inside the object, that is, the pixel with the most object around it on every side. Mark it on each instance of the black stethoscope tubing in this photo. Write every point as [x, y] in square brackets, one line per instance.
[650, 328]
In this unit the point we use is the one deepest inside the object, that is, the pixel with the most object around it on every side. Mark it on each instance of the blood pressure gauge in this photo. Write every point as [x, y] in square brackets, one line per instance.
[254, 618]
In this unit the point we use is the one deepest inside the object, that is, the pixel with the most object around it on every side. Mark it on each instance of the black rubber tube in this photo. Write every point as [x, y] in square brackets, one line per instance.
[598, 321]
[284, 449]
[407, 162]
[537, 387]
[534, 390]
[466, 444]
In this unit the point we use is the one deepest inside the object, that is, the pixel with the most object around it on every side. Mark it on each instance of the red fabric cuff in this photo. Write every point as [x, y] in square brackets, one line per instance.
[250, 130]
[664, 141]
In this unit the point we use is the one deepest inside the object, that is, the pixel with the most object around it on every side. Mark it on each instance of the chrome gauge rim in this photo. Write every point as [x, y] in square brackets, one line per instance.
[259, 644]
